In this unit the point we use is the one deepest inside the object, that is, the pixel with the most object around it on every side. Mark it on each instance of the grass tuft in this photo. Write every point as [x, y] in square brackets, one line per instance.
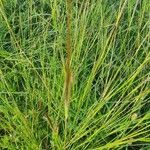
[74, 75]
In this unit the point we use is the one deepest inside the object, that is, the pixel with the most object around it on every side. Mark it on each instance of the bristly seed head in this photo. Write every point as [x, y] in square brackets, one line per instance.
[134, 116]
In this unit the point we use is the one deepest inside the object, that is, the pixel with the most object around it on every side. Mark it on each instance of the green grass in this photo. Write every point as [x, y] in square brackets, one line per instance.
[105, 105]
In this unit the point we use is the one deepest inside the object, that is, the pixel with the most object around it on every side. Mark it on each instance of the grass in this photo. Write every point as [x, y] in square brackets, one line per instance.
[74, 75]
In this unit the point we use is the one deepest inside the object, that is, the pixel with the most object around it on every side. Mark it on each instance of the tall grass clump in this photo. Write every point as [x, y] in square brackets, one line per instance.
[74, 75]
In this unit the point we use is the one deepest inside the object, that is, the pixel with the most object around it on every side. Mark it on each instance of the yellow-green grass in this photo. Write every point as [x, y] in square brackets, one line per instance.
[74, 75]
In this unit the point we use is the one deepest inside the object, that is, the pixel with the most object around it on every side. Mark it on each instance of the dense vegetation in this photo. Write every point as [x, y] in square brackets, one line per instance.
[106, 103]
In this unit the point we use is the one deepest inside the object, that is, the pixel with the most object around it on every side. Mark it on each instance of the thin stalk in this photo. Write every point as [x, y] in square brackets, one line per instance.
[68, 64]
